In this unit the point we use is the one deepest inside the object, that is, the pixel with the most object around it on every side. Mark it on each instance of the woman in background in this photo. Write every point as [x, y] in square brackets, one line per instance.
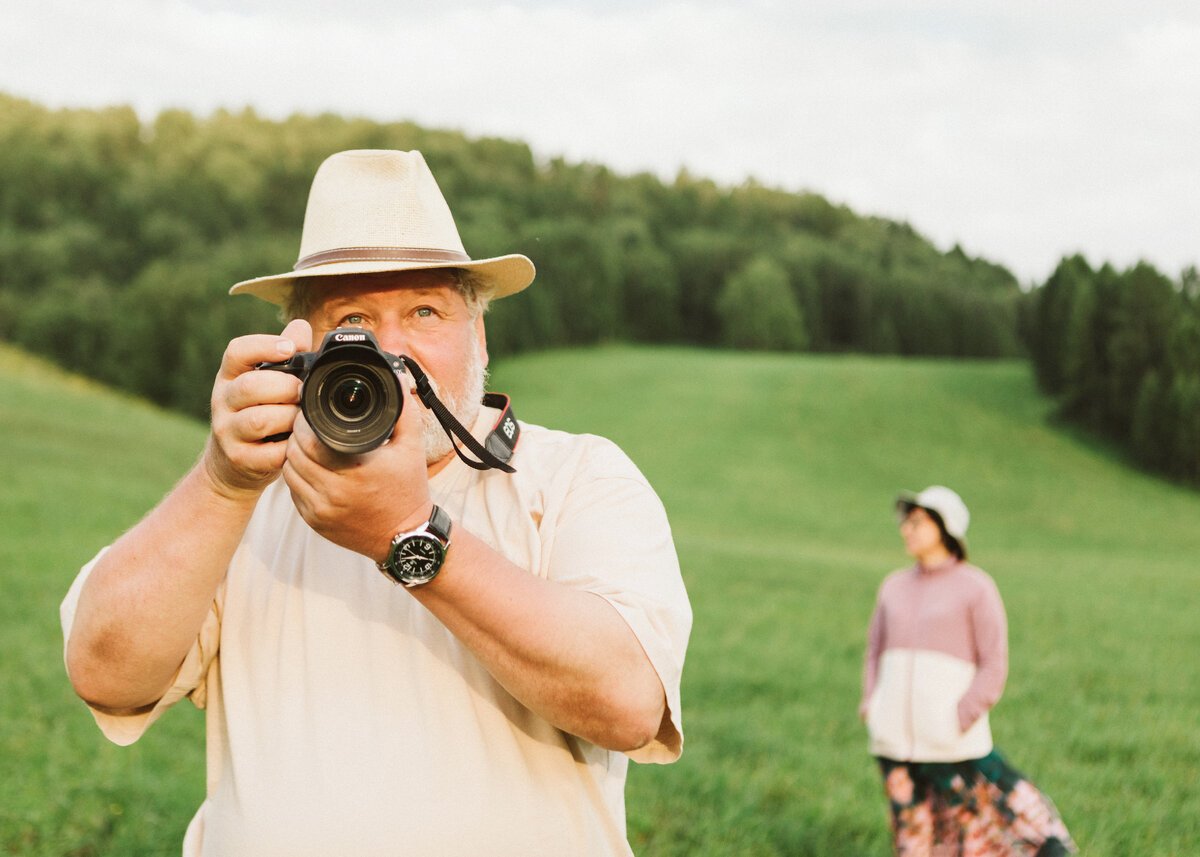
[936, 663]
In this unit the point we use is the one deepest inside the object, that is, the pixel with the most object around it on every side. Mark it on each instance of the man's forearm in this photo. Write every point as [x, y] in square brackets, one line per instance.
[142, 606]
[565, 654]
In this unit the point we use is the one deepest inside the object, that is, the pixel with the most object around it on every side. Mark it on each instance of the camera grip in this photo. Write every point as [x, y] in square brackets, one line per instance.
[296, 366]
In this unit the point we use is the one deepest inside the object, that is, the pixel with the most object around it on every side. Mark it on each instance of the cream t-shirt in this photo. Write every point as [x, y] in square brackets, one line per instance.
[343, 718]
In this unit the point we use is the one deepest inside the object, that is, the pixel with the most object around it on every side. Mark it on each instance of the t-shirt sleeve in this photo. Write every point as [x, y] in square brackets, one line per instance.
[124, 729]
[612, 538]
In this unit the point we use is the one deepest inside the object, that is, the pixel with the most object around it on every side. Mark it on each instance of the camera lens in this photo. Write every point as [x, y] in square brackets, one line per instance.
[351, 399]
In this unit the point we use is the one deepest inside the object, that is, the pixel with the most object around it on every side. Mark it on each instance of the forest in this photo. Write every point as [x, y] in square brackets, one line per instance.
[1120, 352]
[120, 237]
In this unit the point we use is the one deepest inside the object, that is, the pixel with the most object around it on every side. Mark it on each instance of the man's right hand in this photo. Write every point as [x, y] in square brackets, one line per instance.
[148, 595]
[248, 406]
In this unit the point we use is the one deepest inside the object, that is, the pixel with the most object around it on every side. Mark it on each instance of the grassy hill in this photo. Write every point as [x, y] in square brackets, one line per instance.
[778, 473]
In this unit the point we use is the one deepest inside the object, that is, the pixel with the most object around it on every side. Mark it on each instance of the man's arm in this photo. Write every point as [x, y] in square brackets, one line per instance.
[143, 604]
[564, 653]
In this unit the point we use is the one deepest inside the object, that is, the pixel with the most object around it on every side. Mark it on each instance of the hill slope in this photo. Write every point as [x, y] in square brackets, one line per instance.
[778, 474]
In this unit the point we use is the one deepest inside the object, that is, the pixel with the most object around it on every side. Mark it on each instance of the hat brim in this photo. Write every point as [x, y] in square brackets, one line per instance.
[905, 501]
[505, 275]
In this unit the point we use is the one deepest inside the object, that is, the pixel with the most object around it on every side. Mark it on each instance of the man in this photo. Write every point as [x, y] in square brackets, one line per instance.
[487, 706]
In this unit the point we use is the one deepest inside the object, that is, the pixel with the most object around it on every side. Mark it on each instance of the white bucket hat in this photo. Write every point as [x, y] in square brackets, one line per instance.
[376, 210]
[948, 505]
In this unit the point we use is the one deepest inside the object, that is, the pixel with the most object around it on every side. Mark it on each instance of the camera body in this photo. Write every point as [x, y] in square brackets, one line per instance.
[351, 395]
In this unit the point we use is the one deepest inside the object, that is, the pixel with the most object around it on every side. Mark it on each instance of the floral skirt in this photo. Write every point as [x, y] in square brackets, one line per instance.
[978, 808]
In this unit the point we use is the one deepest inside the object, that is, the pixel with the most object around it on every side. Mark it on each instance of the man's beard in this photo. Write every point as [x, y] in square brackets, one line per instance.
[464, 405]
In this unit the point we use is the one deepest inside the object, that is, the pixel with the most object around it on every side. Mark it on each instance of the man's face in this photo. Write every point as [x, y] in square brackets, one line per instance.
[422, 315]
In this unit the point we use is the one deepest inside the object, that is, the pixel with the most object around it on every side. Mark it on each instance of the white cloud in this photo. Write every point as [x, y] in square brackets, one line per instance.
[1023, 130]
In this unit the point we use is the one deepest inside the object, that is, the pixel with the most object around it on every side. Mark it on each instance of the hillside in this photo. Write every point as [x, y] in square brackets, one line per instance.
[778, 474]
[111, 226]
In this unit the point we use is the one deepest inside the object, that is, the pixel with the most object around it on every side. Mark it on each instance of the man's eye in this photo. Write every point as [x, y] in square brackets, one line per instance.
[425, 312]
[354, 319]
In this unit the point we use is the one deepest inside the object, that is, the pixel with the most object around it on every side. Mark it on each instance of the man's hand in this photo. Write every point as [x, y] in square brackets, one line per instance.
[147, 597]
[361, 501]
[248, 406]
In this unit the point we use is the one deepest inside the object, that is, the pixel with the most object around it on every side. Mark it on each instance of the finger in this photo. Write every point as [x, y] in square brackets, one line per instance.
[409, 423]
[270, 423]
[313, 453]
[260, 388]
[246, 352]
[307, 476]
[245, 464]
[299, 332]
[262, 460]
[408, 382]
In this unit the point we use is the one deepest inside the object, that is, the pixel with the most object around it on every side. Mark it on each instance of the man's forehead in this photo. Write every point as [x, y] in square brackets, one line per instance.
[400, 282]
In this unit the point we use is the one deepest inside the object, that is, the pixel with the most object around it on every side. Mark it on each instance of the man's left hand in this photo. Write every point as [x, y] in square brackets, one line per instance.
[361, 501]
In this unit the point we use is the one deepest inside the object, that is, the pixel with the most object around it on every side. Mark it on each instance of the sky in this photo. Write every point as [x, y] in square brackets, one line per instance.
[1022, 131]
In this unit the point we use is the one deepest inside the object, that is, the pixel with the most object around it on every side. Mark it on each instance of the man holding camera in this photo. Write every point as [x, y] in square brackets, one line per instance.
[398, 653]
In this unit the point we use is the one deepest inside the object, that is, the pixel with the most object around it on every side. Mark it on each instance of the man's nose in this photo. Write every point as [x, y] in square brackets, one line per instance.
[392, 337]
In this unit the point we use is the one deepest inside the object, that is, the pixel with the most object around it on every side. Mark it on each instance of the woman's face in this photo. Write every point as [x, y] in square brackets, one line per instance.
[921, 534]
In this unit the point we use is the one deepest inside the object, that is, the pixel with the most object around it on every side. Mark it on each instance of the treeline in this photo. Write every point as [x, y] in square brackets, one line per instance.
[1121, 353]
[119, 240]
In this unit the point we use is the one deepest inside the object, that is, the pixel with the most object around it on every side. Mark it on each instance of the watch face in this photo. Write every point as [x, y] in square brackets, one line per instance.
[417, 559]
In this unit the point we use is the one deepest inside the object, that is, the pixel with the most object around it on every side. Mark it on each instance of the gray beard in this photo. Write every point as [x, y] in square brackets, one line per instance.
[465, 407]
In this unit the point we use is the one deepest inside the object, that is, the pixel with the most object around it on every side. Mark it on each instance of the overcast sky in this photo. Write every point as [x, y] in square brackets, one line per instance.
[1024, 131]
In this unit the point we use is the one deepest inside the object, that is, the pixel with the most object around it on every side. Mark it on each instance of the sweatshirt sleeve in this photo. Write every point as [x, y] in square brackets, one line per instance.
[990, 629]
[875, 642]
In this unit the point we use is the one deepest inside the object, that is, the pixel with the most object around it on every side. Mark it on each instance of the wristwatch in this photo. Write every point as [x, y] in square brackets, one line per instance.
[417, 556]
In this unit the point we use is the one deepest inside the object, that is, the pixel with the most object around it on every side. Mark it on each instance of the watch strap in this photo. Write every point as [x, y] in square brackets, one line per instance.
[439, 525]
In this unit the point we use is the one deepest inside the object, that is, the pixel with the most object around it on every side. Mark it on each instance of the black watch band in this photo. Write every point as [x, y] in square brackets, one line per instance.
[439, 524]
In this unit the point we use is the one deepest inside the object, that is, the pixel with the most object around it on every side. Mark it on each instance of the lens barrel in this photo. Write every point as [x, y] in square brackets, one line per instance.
[352, 398]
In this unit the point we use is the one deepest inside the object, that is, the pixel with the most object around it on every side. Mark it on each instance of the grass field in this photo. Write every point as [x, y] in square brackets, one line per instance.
[778, 474]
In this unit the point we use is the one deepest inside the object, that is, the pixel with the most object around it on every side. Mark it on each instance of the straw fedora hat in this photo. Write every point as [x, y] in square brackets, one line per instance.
[376, 210]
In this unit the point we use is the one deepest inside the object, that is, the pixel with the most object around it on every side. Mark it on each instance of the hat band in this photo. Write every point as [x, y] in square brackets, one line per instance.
[380, 254]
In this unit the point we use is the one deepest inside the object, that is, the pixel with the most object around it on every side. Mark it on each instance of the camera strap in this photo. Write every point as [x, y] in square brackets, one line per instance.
[501, 441]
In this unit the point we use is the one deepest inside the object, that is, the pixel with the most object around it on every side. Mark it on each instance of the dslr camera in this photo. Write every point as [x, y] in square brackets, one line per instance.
[351, 395]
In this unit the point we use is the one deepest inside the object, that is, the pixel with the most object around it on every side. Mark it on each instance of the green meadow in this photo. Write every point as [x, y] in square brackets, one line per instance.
[778, 474]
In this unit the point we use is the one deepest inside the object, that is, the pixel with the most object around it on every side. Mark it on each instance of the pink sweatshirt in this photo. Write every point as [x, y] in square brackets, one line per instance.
[936, 662]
